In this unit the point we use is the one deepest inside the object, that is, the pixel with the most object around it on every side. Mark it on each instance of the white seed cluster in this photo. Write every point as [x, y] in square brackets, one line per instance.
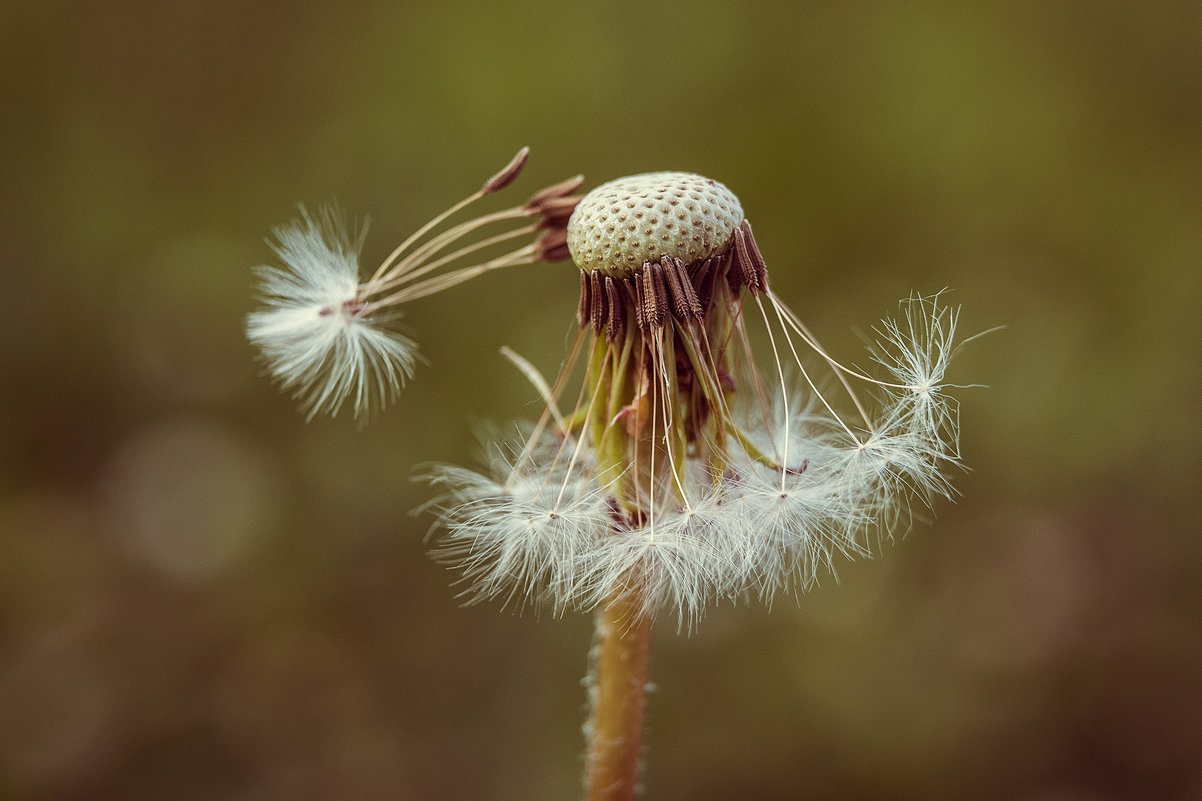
[794, 495]
[622, 224]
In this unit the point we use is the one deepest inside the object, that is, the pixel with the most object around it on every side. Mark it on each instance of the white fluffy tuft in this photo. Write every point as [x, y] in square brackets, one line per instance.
[319, 339]
[801, 490]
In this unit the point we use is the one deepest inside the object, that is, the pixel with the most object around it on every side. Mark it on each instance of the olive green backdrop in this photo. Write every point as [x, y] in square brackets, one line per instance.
[203, 597]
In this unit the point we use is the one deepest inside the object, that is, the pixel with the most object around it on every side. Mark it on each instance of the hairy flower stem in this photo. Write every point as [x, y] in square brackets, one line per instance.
[620, 664]
[619, 661]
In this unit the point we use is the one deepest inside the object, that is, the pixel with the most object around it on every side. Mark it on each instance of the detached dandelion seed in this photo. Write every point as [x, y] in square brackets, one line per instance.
[320, 337]
[328, 336]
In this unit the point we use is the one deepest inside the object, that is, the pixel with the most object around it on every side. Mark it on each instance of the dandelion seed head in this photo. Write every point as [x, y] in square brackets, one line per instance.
[620, 225]
[684, 475]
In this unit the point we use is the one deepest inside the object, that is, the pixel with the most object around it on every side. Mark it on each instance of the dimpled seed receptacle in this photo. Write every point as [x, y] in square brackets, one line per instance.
[627, 222]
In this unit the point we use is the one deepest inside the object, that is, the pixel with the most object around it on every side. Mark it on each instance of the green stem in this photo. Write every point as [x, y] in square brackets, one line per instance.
[619, 672]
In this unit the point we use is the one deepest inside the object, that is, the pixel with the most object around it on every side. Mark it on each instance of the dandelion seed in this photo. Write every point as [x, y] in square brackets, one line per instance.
[521, 538]
[317, 333]
[328, 336]
[916, 350]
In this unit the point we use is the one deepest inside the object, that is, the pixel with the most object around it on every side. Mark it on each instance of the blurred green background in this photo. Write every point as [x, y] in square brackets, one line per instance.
[202, 597]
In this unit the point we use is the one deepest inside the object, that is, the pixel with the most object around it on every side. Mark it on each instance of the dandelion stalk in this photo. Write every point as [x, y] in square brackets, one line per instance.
[618, 677]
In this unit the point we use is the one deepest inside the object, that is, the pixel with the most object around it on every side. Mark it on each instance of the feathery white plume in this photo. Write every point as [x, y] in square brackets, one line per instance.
[326, 334]
[322, 341]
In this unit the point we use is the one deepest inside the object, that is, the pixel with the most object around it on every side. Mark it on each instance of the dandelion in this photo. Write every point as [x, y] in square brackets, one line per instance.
[721, 480]
[714, 450]
[328, 336]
